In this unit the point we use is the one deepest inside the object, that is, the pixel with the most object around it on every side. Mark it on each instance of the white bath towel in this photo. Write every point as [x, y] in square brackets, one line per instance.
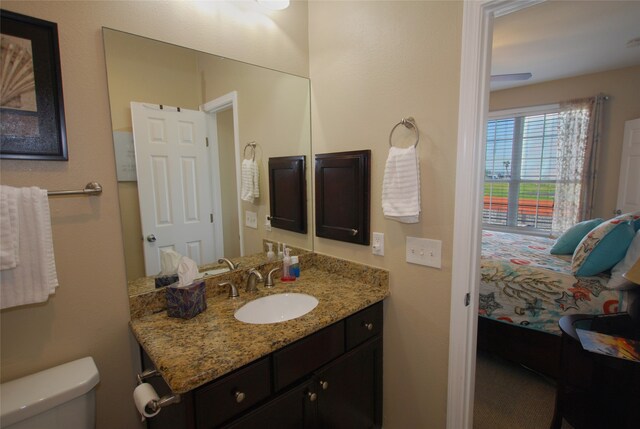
[34, 278]
[9, 223]
[250, 187]
[401, 185]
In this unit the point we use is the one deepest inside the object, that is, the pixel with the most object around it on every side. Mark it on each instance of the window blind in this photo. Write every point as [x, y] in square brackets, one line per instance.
[521, 171]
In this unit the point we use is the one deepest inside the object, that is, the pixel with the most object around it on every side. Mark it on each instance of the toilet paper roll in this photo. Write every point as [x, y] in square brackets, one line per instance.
[143, 396]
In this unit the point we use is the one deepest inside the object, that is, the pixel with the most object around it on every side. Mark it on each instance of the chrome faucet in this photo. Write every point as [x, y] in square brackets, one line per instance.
[269, 283]
[230, 264]
[233, 291]
[254, 278]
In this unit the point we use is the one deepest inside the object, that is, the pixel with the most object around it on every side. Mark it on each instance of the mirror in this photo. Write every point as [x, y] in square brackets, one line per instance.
[242, 104]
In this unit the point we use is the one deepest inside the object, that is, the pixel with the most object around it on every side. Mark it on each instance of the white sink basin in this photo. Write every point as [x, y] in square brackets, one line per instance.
[276, 308]
[211, 272]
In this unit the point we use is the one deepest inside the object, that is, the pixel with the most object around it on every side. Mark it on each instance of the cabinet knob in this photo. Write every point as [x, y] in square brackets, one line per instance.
[324, 384]
[239, 396]
[369, 326]
[312, 396]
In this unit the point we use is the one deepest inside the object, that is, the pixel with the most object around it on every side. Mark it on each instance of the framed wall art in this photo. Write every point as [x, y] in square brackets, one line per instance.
[32, 122]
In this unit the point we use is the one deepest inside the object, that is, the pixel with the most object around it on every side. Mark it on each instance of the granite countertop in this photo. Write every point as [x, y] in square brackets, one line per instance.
[190, 353]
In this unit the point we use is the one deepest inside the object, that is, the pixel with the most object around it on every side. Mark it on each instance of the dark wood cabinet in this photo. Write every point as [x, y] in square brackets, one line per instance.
[343, 196]
[350, 389]
[331, 379]
[288, 193]
[290, 410]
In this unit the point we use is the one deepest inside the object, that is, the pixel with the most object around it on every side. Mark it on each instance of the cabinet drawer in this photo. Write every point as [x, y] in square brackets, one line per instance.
[233, 394]
[302, 357]
[364, 325]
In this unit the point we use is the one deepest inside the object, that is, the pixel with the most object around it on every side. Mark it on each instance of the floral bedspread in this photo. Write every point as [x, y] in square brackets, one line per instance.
[522, 283]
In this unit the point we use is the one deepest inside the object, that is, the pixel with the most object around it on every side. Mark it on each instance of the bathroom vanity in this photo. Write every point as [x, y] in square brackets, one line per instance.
[321, 370]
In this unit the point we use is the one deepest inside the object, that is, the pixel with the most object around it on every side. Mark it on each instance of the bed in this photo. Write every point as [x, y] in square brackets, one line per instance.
[524, 291]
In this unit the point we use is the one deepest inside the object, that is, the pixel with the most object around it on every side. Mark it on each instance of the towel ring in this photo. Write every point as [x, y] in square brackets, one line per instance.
[409, 123]
[252, 146]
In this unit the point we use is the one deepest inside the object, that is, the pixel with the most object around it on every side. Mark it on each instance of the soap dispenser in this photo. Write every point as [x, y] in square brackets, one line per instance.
[281, 251]
[270, 255]
[286, 267]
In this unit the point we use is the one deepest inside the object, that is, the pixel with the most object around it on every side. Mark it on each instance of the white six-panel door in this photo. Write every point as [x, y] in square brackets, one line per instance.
[173, 183]
[629, 184]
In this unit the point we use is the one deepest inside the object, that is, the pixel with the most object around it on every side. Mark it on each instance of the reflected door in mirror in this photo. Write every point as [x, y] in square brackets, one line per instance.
[174, 186]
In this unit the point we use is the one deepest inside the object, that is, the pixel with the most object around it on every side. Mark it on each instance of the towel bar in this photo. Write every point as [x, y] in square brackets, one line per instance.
[409, 123]
[92, 188]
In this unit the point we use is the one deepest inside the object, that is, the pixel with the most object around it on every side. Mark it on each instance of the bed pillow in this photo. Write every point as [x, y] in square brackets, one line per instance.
[603, 247]
[566, 244]
[633, 254]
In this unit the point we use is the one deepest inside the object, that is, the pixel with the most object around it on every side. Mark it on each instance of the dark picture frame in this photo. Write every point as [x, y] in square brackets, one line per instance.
[32, 123]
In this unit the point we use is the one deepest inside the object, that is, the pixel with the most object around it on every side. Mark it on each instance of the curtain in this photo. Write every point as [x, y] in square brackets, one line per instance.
[578, 136]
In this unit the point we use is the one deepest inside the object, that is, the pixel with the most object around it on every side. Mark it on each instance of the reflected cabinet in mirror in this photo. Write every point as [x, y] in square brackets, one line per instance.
[181, 122]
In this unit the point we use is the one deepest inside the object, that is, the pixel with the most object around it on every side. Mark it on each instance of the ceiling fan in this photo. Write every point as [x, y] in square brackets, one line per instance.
[510, 77]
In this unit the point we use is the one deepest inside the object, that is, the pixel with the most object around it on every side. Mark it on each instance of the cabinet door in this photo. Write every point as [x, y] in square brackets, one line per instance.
[350, 389]
[343, 196]
[288, 193]
[295, 409]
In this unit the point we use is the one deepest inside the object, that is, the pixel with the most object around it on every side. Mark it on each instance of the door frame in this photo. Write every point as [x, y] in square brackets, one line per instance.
[211, 108]
[475, 71]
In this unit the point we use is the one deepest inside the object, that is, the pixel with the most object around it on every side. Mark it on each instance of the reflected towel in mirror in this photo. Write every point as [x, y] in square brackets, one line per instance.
[250, 188]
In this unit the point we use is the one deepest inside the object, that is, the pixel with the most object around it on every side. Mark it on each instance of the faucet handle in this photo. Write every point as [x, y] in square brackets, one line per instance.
[257, 273]
[269, 282]
[233, 290]
[229, 263]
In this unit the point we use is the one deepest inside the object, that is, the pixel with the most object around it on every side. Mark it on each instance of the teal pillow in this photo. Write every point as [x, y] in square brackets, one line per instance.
[603, 247]
[566, 244]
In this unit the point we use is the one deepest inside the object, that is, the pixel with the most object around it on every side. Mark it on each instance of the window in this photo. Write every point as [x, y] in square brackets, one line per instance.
[521, 170]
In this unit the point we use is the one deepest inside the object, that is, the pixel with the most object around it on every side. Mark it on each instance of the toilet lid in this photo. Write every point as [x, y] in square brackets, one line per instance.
[31, 395]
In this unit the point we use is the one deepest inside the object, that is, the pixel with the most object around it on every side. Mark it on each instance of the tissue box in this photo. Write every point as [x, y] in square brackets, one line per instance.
[186, 302]
[162, 281]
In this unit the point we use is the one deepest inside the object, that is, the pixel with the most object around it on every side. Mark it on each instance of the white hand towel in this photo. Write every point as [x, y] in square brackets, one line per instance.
[34, 278]
[401, 185]
[9, 223]
[249, 189]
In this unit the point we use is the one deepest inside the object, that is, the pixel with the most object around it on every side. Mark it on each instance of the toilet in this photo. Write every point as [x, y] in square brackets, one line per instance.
[57, 398]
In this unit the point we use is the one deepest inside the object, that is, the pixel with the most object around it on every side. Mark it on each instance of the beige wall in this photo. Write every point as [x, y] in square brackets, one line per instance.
[144, 70]
[371, 64]
[273, 111]
[89, 313]
[623, 88]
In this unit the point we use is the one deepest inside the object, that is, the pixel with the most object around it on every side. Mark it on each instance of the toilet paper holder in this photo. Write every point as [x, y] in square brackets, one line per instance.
[162, 401]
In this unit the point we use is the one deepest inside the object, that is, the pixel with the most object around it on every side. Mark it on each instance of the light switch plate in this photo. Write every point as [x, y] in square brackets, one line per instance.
[251, 219]
[423, 251]
[377, 247]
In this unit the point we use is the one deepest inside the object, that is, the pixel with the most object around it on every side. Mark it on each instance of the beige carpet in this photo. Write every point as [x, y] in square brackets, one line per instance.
[509, 396]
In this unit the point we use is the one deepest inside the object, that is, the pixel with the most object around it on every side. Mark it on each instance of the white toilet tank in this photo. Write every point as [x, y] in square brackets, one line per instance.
[62, 397]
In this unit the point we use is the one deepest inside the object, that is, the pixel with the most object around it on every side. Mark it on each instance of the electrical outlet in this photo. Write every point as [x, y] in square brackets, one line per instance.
[267, 223]
[251, 219]
[377, 247]
[423, 251]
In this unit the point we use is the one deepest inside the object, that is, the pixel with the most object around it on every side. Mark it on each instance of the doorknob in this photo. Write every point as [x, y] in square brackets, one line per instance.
[151, 238]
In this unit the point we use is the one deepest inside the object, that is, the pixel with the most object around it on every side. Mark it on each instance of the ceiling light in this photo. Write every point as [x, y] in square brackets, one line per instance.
[274, 4]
